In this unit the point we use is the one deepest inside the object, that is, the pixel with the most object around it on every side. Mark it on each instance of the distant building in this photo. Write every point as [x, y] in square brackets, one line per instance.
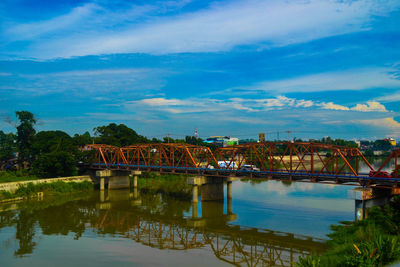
[261, 137]
[391, 141]
[222, 141]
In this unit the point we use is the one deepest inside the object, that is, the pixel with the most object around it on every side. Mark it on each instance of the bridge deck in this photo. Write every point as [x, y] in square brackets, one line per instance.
[362, 179]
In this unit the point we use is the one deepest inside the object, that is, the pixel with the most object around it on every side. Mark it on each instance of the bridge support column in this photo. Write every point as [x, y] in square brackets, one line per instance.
[135, 178]
[229, 189]
[102, 183]
[195, 194]
[229, 194]
[212, 188]
[366, 198]
[229, 206]
[102, 175]
[195, 210]
[117, 179]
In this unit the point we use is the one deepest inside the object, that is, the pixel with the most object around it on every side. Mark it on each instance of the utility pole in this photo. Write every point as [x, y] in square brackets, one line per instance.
[288, 134]
[277, 135]
[168, 137]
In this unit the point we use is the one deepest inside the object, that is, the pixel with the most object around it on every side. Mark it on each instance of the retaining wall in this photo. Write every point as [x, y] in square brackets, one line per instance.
[13, 186]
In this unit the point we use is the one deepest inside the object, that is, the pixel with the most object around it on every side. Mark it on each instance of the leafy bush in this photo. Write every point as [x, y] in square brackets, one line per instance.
[15, 176]
[55, 164]
[374, 241]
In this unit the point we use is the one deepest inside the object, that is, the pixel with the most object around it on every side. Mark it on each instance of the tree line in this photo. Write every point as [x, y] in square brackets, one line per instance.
[56, 153]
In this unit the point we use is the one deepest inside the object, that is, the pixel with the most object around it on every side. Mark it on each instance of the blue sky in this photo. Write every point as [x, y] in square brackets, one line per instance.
[316, 68]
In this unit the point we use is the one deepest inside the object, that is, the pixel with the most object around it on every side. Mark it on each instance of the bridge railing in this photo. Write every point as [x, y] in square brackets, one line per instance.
[293, 158]
[310, 158]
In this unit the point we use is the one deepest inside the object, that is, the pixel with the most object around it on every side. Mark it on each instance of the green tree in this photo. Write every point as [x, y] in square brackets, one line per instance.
[194, 140]
[25, 134]
[55, 164]
[52, 141]
[82, 140]
[7, 146]
[117, 135]
[382, 145]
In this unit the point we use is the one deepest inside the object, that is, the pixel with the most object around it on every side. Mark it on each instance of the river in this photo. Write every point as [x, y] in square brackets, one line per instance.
[271, 224]
[268, 223]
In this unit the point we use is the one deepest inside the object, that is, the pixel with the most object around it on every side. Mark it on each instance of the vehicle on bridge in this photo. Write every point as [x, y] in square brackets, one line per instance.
[227, 165]
[249, 167]
[380, 174]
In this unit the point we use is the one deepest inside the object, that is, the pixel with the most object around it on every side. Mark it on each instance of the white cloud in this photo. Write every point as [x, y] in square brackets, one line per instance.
[384, 122]
[193, 105]
[331, 105]
[74, 18]
[394, 97]
[91, 29]
[370, 106]
[99, 81]
[354, 79]
[162, 102]
[305, 103]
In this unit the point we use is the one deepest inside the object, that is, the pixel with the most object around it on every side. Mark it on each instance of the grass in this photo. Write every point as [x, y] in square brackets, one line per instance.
[16, 176]
[169, 184]
[47, 188]
[374, 241]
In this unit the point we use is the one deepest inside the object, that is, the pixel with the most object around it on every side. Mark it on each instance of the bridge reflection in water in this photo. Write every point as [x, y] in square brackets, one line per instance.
[156, 221]
[233, 244]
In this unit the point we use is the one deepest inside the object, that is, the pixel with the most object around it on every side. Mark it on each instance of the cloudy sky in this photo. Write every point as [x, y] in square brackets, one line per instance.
[313, 67]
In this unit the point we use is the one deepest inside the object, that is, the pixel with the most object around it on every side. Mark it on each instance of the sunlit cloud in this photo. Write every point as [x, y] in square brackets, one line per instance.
[384, 122]
[333, 106]
[370, 106]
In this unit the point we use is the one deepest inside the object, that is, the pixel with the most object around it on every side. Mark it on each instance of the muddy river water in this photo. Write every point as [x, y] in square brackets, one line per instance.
[269, 223]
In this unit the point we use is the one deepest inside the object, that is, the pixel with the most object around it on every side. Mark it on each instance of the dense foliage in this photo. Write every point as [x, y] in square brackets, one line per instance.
[55, 164]
[117, 135]
[25, 134]
[374, 241]
[7, 146]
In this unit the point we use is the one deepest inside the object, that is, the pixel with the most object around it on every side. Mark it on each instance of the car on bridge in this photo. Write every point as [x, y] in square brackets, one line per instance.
[227, 165]
[379, 174]
[248, 167]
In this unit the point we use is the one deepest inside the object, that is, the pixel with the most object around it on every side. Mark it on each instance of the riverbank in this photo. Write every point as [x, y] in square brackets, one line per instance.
[33, 190]
[374, 241]
[17, 176]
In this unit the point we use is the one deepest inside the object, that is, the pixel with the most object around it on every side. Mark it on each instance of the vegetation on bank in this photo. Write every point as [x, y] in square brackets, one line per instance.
[58, 187]
[374, 241]
[16, 176]
[169, 184]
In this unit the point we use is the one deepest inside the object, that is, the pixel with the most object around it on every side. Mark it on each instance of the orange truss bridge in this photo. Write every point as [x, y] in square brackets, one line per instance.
[307, 162]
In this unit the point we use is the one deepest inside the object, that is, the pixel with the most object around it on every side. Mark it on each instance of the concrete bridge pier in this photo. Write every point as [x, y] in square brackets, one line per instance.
[116, 179]
[212, 190]
[229, 194]
[134, 175]
[212, 187]
[365, 198]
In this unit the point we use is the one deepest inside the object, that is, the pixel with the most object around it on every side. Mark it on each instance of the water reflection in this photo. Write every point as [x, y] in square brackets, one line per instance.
[154, 221]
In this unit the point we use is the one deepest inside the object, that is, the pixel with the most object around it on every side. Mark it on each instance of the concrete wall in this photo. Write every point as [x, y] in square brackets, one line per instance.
[13, 186]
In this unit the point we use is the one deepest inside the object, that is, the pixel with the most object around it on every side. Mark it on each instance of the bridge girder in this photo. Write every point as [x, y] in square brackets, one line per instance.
[298, 158]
